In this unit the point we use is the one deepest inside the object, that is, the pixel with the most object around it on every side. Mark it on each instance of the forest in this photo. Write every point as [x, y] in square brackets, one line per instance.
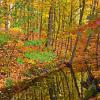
[49, 49]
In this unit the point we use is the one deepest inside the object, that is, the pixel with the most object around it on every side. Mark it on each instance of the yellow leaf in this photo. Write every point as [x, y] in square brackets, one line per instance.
[30, 61]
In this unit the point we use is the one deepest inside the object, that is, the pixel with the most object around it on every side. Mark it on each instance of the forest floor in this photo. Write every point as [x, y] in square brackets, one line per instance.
[14, 64]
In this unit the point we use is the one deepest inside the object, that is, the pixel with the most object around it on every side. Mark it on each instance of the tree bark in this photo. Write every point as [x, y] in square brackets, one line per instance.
[82, 12]
[50, 21]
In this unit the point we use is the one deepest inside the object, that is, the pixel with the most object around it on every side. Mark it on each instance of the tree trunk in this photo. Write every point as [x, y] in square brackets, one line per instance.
[81, 12]
[50, 21]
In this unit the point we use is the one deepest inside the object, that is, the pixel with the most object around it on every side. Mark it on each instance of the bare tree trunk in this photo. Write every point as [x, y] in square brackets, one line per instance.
[40, 25]
[71, 68]
[40, 30]
[97, 47]
[28, 24]
[6, 15]
[66, 79]
[94, 7]
[69, 64]
[54, 30]
[71, 15]
[63, 19]
[81, 11]
[0, 16]
[50, 21]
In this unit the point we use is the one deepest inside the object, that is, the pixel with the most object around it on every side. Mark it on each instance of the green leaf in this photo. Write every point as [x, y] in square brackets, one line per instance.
[34, 43]
[91, 91]
[4, 38]
[36, 30]
[9, 82]
[20, 60]
[41, 56]
[91, 17]
[89, 31]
